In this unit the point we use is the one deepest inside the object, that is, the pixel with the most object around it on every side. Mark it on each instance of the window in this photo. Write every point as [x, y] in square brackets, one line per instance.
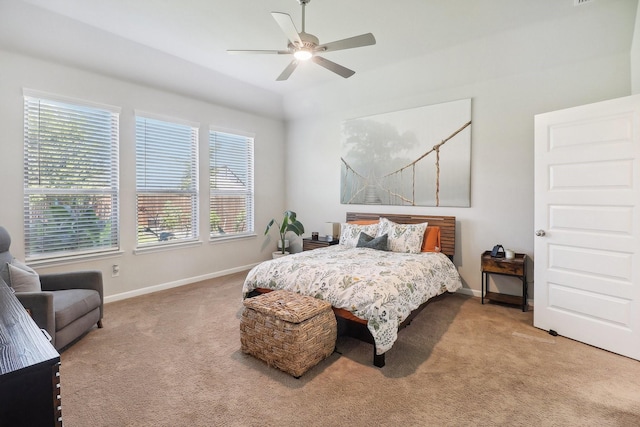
[70, 178]
[166, 181]
[231, 184]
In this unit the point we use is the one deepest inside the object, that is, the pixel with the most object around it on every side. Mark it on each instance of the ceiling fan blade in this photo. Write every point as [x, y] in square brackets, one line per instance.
[288, 27]
[268, 52]
[287, 71]
[332, 66]
[357, 41]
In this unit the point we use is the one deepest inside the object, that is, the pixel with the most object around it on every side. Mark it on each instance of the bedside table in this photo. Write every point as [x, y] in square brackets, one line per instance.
[516, 267]
[322, 242]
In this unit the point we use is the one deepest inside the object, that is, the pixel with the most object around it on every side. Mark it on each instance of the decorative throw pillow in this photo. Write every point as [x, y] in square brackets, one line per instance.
[23, 278]
[403, 237]
[431, 240]
[366, 241]
[350, 233]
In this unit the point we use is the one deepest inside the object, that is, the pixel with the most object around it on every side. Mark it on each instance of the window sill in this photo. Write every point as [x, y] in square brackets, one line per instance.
[166, 247]
[227, 239]
[73, 259]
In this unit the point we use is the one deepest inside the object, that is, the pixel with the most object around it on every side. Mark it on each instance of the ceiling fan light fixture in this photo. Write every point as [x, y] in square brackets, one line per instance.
[304, 46]
[302, 54]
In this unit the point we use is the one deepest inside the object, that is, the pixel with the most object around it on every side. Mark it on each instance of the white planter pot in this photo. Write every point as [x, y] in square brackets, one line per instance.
[286, 244]
[279, 254]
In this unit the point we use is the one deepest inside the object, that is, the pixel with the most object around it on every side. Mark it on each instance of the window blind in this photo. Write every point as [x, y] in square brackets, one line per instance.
[231, 184]
[166, 181]
[70, 179]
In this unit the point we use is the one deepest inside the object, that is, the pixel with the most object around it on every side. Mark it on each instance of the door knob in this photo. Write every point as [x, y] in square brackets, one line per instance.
[540, 233]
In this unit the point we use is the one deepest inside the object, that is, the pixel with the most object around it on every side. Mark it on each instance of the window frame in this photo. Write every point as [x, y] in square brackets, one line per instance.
[247, 193]
[33, 159]
[159, 191]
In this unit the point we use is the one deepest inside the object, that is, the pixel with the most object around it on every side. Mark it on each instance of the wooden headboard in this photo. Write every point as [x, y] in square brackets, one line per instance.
[447, 225]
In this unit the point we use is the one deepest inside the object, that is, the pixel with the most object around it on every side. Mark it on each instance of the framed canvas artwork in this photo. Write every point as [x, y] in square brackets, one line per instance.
[415, 157]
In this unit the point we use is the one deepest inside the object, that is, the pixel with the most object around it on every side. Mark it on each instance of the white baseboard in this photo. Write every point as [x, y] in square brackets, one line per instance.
[467, 291]
[477, 293]
[175, 284]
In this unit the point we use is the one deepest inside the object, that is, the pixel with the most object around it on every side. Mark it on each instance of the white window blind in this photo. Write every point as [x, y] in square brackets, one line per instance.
[166, 181]
[70, 179]
[231, 184]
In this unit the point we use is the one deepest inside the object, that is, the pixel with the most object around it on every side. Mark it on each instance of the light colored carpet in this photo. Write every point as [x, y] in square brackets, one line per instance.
[173, 359]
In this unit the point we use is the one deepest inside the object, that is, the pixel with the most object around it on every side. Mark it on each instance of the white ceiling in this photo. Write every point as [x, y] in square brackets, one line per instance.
[200, 31]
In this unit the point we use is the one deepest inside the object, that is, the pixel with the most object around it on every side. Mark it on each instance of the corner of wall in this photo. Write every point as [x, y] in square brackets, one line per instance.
[635, 55]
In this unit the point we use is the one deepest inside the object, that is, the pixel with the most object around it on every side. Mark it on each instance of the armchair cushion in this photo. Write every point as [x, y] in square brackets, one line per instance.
[91, 279]
[71, 304]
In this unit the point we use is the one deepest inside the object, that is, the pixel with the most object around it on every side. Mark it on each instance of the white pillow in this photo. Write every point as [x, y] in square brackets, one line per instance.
[403, 237]
[23, 278]
[349, 233]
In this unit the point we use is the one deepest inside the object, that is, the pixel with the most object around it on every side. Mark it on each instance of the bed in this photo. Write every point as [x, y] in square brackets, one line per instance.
[374, 293]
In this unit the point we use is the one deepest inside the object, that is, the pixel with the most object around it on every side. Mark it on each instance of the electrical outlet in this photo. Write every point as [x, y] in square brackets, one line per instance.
[115, 270]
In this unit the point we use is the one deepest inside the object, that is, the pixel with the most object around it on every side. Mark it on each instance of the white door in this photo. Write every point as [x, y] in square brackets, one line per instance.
[587, 224]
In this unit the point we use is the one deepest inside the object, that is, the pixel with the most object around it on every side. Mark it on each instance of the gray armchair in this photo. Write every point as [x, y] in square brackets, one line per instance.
[68, 304]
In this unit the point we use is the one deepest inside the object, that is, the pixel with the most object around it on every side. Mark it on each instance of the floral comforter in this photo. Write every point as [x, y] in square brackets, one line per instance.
[380, 287]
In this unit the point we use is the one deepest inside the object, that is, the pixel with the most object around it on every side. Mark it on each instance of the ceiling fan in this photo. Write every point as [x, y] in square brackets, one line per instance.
[305, 46]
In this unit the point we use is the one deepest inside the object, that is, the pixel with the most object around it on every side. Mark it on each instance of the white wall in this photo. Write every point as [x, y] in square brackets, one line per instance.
[504, 102]
[157, 269]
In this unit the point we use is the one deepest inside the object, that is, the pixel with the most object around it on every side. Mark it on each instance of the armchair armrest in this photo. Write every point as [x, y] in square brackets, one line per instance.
[40, 305]
[72, 280]
[89, 279]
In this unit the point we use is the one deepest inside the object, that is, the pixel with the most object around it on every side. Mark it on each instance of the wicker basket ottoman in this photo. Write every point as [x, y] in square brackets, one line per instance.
[289, 331]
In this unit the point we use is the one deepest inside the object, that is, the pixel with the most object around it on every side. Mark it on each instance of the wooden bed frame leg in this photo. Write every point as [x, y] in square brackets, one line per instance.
[378, 359]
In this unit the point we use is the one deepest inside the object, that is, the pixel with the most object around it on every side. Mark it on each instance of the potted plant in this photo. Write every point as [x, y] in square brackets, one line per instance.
[289, 223]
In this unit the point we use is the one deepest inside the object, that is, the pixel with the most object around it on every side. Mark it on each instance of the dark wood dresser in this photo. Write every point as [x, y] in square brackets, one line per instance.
[29, 369]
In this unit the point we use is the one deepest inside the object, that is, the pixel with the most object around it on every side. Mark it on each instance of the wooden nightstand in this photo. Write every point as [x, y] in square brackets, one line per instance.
[516, 267]
[322, 242]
